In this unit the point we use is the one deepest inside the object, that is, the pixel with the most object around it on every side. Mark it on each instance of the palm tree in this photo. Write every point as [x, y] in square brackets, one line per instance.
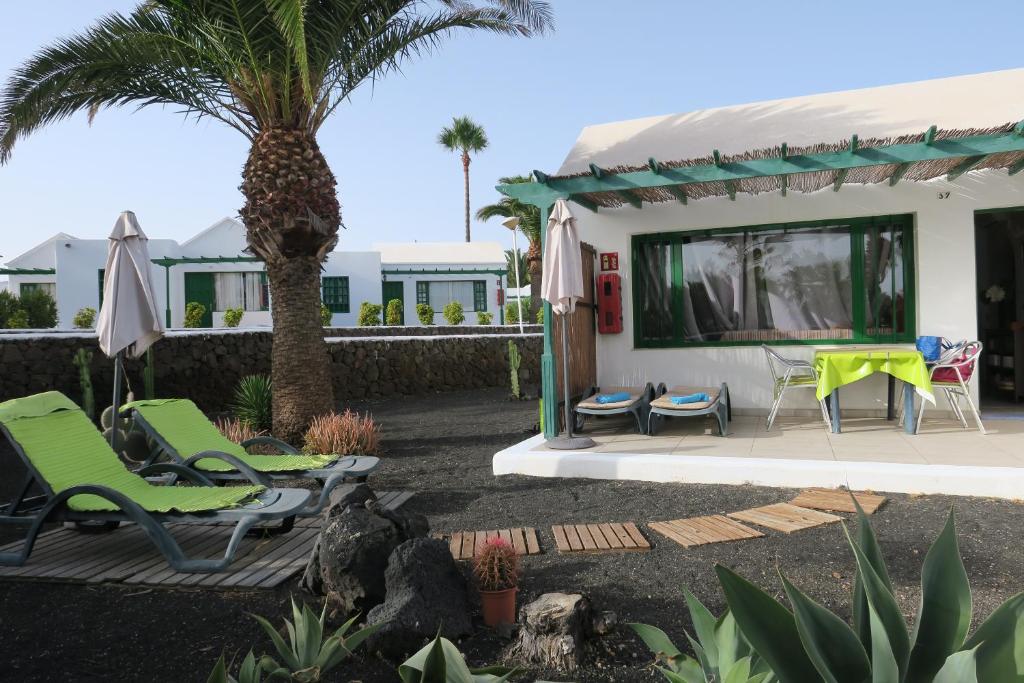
[274, 70]
[463, 136]
[529, 225]
[515, 260]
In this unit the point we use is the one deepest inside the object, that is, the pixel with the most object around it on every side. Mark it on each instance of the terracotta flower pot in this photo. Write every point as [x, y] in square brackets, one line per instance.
[499, 607]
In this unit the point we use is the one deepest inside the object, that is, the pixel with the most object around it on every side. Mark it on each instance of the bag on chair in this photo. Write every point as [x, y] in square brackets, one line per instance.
[949, 374]
[930, 347]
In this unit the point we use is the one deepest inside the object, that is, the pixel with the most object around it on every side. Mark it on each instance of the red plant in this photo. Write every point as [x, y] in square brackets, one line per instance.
[345, 434]
[238, 431]
[496, 567]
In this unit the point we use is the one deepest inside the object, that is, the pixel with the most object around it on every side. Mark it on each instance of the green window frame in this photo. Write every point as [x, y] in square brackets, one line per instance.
[479, 292]
[479, 295]
[335, 293]
[101, 276]
[862, 232]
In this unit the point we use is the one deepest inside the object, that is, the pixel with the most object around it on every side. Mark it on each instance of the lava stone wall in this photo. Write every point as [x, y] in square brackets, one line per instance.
[429, 330]
[206, 366]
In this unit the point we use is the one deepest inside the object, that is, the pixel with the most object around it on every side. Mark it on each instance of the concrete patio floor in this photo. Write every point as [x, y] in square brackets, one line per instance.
[871, 453]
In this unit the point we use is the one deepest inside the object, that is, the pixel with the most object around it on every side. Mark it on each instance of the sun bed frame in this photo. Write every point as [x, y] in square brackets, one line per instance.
[638, 409]
[721, 408]
[329, 478]
[35, 511]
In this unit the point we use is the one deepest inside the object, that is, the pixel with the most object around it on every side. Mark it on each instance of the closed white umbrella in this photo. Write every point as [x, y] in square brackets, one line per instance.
[562, 287]
[129, 321]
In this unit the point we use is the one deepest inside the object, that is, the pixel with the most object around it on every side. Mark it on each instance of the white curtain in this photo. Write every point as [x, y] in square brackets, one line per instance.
[229, 291]
[443, 293]
[253, 292]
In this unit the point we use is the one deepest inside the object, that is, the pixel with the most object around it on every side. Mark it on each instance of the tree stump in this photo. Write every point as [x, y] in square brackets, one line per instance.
[552, 631]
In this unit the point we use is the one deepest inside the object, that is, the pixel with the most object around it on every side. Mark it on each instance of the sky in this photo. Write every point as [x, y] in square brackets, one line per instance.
[607, 60]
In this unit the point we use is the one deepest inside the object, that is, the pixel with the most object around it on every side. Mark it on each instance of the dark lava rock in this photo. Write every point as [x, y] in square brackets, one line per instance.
[426, 592]
[351, 554]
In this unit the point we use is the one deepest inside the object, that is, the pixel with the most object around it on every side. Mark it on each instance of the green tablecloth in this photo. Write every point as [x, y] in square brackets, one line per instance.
[836, 368]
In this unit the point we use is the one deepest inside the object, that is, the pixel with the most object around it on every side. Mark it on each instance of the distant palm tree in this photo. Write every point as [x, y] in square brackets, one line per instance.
[529, 225]
[274, 70]
[516, 261]
[463, 136]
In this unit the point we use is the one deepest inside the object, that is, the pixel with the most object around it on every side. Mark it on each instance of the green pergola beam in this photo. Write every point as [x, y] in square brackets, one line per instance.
[898, 174]
[28, 271]
[784, 178]
[900, 154]
[444, 271]
[629, 198]
[205, 259]
[585, 203]
[841, 173]
[965, 166]
[730, 185]
[677, 192]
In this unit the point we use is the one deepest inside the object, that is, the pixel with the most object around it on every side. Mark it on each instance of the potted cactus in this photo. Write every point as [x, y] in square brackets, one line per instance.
[496, 568]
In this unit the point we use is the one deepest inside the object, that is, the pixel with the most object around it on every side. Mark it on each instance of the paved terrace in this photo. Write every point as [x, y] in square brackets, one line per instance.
[871, 453]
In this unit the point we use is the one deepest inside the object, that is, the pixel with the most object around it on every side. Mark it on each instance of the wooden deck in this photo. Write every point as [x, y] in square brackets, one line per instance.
[127, 556]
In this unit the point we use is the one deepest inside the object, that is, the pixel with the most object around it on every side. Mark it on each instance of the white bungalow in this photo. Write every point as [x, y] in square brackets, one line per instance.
[864, 217]
[213, 269]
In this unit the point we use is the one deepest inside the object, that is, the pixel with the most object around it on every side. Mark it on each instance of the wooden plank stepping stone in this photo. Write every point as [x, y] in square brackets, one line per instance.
[785, 517]
[838, 500]
[599, 538]
[703, 530]
[465, 545]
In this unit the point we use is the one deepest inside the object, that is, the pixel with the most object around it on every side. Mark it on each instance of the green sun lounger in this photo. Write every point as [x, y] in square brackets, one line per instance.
[187, 437]
[82, 480]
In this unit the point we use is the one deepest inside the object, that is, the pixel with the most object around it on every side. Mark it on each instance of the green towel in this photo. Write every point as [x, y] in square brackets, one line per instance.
[67, 450]
[185, 428]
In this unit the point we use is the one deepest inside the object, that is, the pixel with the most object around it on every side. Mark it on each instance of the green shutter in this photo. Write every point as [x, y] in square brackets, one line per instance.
[479, 295]
[335, 293]
[422, 292]
[100, 277]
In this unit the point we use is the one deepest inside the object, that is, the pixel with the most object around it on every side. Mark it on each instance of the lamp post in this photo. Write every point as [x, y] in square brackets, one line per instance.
[512, 224]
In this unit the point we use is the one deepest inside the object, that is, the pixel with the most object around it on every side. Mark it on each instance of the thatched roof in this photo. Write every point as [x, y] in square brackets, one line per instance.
[965, 107]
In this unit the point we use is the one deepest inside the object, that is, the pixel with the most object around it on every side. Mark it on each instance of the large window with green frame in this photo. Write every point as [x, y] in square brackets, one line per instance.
[843, 281]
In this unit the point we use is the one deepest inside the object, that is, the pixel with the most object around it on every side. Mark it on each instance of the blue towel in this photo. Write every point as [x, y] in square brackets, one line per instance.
[690, 398]
[612, 398]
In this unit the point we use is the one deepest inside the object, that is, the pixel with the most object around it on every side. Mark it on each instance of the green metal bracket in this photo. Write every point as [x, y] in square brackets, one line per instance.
[929, 135]
[841, 173]
[596, 171]
[965, 166]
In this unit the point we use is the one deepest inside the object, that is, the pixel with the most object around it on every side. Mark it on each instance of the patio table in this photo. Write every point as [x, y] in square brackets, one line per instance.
[845, 366]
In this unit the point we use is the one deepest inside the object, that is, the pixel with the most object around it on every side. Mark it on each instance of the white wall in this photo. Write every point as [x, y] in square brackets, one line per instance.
[363, 271]
[409, 287]
[944, 249]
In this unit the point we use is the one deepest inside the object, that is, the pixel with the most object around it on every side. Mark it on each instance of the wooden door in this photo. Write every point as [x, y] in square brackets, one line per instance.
[582, 334]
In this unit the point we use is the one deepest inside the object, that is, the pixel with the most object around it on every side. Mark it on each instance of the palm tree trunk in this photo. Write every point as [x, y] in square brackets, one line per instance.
[536, 268]
[465, 174]
[291, 216]
[300, 363]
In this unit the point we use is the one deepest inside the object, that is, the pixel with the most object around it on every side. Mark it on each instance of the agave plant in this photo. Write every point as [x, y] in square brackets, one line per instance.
[307, 655]
[723, 654]
[441, 662]
[812, 644]
[253, 401]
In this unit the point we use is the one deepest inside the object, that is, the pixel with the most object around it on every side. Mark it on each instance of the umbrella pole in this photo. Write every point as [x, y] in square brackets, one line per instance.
[568, 442]
[114, 421]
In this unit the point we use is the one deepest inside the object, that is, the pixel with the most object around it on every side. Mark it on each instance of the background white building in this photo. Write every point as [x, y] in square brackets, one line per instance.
[213, 269]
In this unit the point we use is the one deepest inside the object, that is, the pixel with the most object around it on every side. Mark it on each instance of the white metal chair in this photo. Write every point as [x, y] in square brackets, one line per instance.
[958, 362]
[950, 351]
[789, 373]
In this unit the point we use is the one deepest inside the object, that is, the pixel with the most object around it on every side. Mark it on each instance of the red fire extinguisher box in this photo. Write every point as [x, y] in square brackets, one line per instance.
[609, 303]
